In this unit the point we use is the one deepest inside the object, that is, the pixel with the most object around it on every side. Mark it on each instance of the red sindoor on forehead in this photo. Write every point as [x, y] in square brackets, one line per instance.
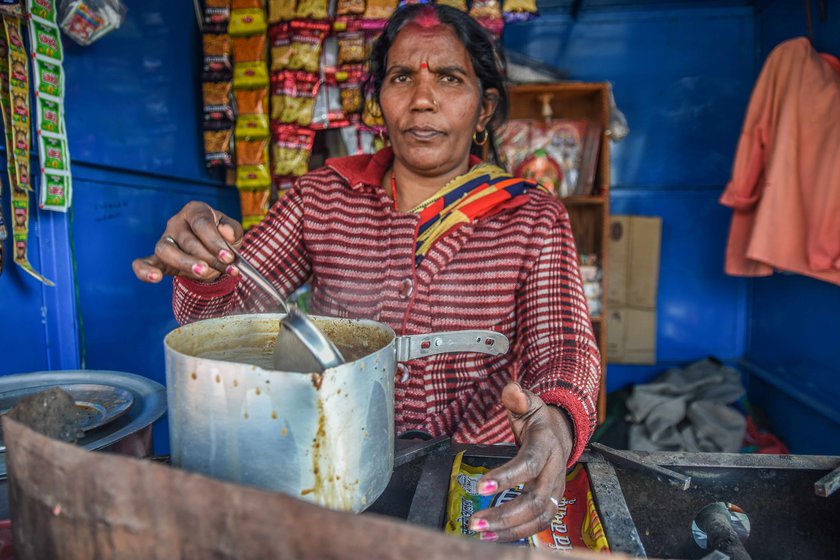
[426, 17]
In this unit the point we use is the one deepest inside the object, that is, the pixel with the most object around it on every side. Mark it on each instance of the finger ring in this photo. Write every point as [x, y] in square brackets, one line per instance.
[554, 501]
[170, 239]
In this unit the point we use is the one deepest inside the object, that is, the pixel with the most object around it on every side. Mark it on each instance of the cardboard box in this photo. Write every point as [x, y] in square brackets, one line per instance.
[632, 288]
[631, 335]
[634, 261]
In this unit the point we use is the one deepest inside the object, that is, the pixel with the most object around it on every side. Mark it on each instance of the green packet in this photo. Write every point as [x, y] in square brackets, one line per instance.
[55, 191]
[48, 78]
[44, 9]
[47, 40]
[49, 113]
[54, 154]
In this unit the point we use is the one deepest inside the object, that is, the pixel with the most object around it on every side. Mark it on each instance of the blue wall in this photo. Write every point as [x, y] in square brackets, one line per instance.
[133, 108]
[683, 79]
[794, 330]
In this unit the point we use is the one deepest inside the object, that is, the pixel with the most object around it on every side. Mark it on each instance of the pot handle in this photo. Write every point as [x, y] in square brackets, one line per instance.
[421, 345]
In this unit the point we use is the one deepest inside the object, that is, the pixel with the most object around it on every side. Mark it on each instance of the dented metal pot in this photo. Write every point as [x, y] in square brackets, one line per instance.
[326, 438]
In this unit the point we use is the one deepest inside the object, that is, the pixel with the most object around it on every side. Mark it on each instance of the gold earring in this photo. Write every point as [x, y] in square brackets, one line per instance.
[483, 139]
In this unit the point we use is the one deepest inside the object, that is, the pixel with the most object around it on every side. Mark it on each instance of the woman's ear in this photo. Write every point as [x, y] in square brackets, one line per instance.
[489, 102]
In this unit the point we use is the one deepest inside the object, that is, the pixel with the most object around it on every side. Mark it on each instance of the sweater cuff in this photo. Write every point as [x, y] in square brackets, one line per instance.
[222, 286]
[579, 420]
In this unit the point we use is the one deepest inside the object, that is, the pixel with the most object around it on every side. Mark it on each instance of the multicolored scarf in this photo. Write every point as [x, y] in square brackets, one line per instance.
[481, 192]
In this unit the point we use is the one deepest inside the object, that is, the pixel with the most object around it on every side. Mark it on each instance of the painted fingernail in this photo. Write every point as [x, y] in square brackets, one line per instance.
[486, 487]
[479, 525]
[225, 256]
[489, 536]
[199, 268]
[232, 270]
[153, 276]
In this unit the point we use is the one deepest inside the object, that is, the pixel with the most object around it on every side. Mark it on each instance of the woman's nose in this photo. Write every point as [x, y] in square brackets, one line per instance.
[424, 98]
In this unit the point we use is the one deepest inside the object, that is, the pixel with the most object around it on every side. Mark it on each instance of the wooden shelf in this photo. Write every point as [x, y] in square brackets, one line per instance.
[589, 215]
[580, 200]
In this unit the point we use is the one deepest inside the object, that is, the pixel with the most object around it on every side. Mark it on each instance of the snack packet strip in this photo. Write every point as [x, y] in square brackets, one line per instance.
[47, 56]
[17, 153]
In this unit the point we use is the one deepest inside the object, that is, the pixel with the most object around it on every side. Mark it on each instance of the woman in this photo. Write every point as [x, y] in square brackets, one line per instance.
[424, 237]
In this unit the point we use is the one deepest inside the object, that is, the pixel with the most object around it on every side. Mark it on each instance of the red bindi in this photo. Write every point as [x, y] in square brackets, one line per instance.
[423, 65]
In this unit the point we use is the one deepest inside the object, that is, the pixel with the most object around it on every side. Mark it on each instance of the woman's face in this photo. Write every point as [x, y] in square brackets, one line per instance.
[431, 99]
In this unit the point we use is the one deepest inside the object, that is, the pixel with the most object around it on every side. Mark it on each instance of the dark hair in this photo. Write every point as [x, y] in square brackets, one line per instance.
[487, 61]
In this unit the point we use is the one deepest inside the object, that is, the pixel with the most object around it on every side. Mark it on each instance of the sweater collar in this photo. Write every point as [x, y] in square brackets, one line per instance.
[367, 170]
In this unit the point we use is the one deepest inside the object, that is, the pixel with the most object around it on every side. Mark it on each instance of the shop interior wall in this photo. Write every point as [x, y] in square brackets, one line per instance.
[794, 330]
[682, 76]
[133, 107]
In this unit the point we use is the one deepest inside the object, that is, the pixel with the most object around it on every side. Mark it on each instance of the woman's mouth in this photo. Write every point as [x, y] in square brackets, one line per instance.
[423, 134]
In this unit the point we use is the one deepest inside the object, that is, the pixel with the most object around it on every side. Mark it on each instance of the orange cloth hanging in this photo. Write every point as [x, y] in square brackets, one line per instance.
[785, 187]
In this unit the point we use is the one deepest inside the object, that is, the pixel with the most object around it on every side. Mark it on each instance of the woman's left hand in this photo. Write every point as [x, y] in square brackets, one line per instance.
[545, 439]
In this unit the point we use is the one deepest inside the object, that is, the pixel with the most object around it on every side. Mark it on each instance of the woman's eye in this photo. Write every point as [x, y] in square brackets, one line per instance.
[450, 79]
[400, 78]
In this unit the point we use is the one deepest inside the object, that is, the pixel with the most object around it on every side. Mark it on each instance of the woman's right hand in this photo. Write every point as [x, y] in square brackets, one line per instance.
[194, 245]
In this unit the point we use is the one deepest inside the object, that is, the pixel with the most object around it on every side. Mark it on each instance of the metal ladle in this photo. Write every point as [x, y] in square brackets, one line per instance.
[300, 344]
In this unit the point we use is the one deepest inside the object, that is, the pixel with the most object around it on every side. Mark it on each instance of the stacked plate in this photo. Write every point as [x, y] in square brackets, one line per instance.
[113, 404]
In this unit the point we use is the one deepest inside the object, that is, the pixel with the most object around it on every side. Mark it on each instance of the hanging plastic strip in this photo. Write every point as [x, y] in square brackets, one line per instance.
[47, 58]
[14, 101]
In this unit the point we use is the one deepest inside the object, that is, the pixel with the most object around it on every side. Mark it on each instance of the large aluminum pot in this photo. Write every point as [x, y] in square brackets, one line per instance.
[326, 438]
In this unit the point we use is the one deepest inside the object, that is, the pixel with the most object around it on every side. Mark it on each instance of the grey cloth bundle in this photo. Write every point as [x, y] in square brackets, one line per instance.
[686, 409]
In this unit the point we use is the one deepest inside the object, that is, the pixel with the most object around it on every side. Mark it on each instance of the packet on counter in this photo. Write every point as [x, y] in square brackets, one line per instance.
[575, 526]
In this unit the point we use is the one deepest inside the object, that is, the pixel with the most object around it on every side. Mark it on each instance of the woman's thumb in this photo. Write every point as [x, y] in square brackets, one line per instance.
[517, 400]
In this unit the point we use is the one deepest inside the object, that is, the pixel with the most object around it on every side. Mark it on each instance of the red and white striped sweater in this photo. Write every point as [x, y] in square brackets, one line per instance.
[515, 272]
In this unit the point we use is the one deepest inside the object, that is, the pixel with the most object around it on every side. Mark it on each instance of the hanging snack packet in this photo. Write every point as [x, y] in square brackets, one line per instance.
[217, 147]
[281, 46]
[50, 115]
[218, 117]
[47, 42]
[350, 7]
[328, 112]
[216, 44]
[251, 127]
[575, 526]
[247, 22]
[216, 93]
[55, 154]
[519, 10]
[351, 48]
[312, 9]
[241, 4]
[252, 167]
[253, 177]
[249, 49]
[293, 99]
[254, 204]
[216, 20]
[380, 9]
[85, 21]
[251, 101]
[252, 152]
[10, 8]
[217, 69]
[350, 93]
[488, 13]
[457, 4]
[372, 113]
[307, 40]
[250, 75]
[291, 149]
[281, 10]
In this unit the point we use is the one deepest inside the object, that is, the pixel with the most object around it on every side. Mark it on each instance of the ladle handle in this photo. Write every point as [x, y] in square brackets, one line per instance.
[421, 345]
[261, 281]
